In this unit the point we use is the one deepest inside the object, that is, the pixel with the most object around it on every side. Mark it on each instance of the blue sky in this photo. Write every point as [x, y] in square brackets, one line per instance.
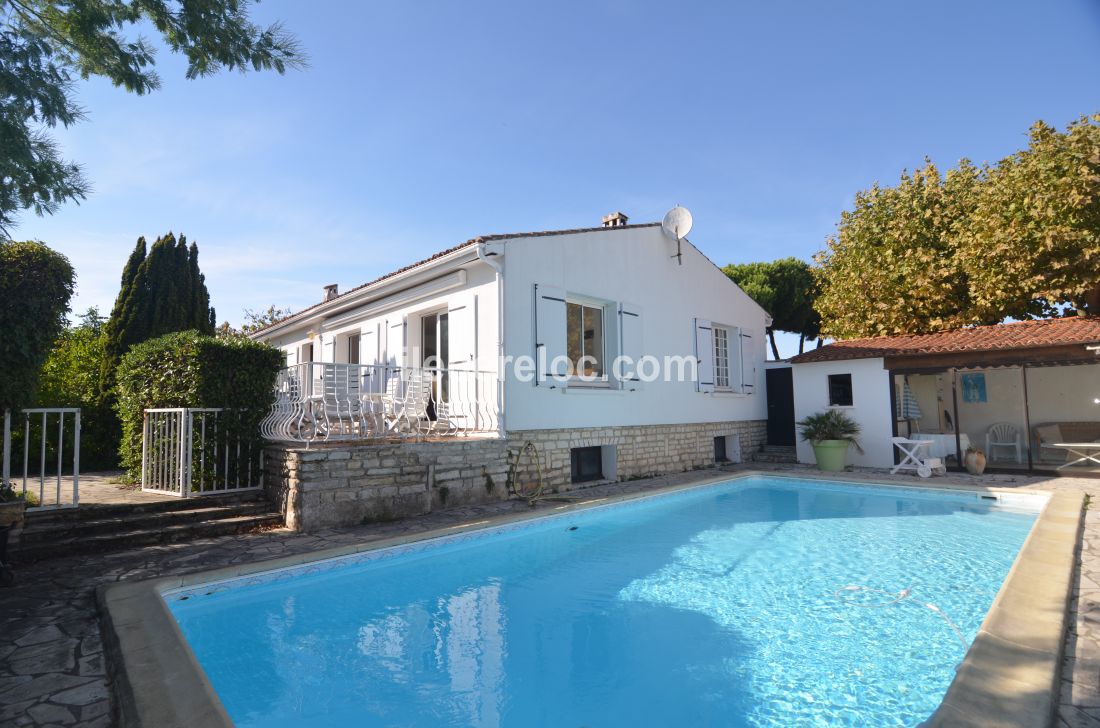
[420, 125]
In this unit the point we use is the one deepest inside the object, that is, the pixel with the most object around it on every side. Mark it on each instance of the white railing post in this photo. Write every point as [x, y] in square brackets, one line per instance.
[185, 453]
[76, 459]
[145, 434]
[6, 473]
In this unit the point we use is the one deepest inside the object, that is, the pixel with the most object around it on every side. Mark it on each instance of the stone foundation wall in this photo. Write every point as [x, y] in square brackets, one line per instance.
[347, 483]
[641, 451]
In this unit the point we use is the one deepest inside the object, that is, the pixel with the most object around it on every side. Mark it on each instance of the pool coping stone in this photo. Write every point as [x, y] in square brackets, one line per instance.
[1004, 680]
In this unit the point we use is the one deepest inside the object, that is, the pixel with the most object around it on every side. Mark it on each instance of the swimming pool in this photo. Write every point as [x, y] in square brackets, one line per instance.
[763, 601]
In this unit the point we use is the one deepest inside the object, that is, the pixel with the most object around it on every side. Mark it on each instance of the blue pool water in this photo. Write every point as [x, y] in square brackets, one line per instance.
[723, 605]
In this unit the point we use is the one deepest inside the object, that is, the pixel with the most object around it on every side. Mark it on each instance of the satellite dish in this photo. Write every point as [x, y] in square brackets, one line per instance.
[677, 223]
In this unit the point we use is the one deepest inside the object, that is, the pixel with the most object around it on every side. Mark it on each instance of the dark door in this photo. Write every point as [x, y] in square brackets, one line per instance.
[780, 406]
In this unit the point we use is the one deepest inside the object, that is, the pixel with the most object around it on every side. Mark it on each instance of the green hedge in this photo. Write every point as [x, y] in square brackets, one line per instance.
[36, 284]
[189, 369]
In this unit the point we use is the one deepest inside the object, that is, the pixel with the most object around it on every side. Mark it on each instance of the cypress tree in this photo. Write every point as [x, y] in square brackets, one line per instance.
[162, 291]
[120, 322]
[201, 312]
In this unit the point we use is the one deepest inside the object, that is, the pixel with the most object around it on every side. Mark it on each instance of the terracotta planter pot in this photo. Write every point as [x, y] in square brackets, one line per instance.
[974, 461]
[831, 455]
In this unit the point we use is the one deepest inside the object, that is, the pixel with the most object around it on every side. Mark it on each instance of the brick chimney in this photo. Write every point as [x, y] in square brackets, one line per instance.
[615, 219]
[332, 290]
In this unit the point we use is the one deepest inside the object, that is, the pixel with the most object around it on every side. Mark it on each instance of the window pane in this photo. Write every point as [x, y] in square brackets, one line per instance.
[721, 357]
[593, 340]
[840, 390]
[427, 341]
[574, 332]
[353, 349]
[444, 340]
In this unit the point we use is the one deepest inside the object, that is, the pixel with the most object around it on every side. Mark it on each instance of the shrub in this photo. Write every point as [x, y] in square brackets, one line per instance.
[36, 284]
[830, 424]
[189, 369]
[70, 378]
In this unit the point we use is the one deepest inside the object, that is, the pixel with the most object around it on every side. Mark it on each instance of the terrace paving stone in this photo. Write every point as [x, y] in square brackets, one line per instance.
[50, 615]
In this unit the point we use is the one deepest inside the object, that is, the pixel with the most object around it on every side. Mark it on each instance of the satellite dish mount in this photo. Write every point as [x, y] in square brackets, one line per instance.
[676, 225]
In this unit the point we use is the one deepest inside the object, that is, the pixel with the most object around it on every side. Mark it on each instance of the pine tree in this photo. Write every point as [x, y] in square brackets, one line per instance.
[162, 291]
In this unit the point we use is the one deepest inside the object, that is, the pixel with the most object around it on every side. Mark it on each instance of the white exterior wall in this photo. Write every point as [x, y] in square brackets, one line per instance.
[390, 327]
[870, 406]
[634, 266]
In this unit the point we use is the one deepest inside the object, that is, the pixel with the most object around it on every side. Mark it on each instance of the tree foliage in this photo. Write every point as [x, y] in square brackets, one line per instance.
[254, 321]
[70, 378]
[1017, 239]
[787, 290]
[189, 369]
[45, 45]
[1032, 243]
[162, 291]
[893, 267]
[36, 284]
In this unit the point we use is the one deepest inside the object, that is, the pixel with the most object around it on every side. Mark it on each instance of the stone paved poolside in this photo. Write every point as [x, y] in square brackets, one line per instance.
[51, 660]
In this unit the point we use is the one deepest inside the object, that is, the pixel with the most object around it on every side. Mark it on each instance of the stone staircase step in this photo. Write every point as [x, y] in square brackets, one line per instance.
[99, 511]
[775, 454]
[97, 523]
[129, 538]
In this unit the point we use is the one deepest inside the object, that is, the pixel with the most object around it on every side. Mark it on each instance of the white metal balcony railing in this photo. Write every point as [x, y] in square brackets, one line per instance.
[319, 402]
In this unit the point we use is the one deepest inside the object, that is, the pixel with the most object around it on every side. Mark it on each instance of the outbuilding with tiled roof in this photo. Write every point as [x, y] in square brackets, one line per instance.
[1025, 393]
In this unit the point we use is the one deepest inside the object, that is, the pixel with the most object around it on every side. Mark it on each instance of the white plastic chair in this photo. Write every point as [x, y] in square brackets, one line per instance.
[1003, 434]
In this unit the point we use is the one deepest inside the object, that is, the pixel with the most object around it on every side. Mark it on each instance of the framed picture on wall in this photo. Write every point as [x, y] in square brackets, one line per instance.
[973, 387]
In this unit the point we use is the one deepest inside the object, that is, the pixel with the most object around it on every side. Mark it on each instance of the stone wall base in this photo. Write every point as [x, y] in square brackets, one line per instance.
[346, 484]
[640, 451]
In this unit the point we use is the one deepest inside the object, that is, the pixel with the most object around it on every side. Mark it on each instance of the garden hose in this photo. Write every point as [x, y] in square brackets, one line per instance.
[536, 494]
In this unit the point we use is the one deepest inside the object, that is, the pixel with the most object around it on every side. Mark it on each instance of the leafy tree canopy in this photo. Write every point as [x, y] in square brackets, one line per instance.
[787, 290]
[36, 284]
[45, 45]
[1017, 239]
[254, 321]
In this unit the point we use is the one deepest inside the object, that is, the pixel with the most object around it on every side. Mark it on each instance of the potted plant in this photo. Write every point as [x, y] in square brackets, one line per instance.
[974, 461]
[12, 512]
[831, 433]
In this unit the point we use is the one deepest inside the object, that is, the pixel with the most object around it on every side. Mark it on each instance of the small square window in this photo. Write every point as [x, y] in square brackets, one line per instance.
[840, 390]
[586, 464]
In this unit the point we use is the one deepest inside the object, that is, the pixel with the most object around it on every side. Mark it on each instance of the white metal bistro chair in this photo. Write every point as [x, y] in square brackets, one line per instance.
[911, 458]
[1003, 435]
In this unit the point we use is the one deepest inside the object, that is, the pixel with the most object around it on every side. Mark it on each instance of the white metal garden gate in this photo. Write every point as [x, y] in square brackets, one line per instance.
[189, 451]
[44, 428]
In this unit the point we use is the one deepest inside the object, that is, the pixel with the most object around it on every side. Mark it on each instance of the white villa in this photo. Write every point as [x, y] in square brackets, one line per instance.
[619, 351]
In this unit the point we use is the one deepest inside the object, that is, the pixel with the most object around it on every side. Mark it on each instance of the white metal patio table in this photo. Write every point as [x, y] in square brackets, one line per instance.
[1085, 452]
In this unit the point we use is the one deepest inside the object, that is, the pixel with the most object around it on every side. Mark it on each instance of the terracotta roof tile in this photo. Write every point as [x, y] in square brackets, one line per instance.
[448, 251]
[998, 337]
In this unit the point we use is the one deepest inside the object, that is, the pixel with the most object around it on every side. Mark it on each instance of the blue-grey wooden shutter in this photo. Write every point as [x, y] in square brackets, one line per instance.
[630, 345]
[550, 335]
[704, 355]
[747, 356]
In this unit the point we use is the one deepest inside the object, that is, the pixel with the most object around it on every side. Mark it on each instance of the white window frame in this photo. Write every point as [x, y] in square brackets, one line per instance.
[357, 337]
[575, 379]
[721, 336]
